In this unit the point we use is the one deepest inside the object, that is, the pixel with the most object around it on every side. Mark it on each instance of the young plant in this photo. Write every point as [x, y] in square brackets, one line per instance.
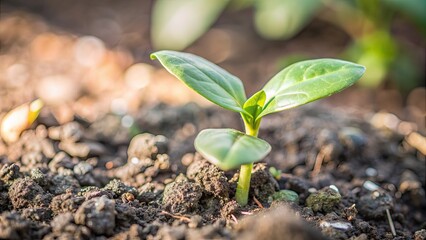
[298, 84]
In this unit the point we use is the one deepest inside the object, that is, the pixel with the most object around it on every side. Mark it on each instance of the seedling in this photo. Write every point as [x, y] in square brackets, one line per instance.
[298, 84]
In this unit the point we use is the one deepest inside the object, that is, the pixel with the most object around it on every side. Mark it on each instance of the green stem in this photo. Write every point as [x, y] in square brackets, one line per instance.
[243, 185]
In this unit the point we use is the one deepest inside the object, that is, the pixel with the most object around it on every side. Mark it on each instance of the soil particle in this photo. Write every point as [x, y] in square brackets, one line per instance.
[9, 172]
[82, 149]
[324, 200]
[217, 230]
[420, 235]
[276, 223]
[149, 192]
[118, 188]
[211, 178]
[350, 212]
[182, 196]
[71, 131]
[39, 177]
[374, 205]
[63, 183]
[230, 208]
[169, 233]
[126, 216]
[4, 200]
[262, 184]
[24, 192]
[147, 145]
[135, 232]
[98, 214]
[82, 168]
[297, 184]
[63, 227]
[61, 160]
[147, 158]
[109, 129]
[13, 226]
[66, 202]
[37, 214]
[335, 229]
[412, 187]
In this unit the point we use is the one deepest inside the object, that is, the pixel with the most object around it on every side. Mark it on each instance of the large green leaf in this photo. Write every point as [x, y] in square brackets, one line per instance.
[229, 148]
[307, 81]
[282, 19]
[206, 78]
[176, 24]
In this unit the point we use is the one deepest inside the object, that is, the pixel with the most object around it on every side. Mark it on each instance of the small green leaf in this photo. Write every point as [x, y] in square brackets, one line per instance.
[307, 81]
[177, 24]
[204, 77]
[229, 148]
[254, 106]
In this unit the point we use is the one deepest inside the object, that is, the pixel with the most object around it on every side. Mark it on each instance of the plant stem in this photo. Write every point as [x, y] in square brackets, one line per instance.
[243, 185]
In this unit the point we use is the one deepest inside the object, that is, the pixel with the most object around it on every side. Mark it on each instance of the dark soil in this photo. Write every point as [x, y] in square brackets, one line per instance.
[82, 172]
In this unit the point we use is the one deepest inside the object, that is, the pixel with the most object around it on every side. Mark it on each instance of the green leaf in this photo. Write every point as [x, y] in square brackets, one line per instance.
[204, 77]
[282, 19]
[307, 81]
[254, 106]
[229, 148]
[177, 24]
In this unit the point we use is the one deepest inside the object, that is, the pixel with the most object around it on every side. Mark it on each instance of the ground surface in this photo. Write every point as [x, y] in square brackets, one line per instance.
[106, 160]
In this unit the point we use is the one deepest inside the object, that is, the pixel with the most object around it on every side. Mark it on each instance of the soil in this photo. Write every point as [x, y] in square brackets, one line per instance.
[89, 168]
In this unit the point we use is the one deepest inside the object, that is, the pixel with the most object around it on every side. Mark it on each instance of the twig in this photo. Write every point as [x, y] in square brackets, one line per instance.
[392, 227]
[318, 163]
[257, 202]
[246, 213]
[182, 218]
[234, 218]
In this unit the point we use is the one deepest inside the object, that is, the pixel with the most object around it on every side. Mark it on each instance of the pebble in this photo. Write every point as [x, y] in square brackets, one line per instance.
[371, 172]
[344, 226]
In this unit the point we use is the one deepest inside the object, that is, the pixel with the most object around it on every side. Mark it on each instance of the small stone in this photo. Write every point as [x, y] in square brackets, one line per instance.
[286, 196]
[82, 168]
[343, 226]
[371, 172]
[324, 200]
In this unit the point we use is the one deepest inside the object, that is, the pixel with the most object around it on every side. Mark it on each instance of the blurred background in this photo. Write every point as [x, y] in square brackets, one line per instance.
[90, 58]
